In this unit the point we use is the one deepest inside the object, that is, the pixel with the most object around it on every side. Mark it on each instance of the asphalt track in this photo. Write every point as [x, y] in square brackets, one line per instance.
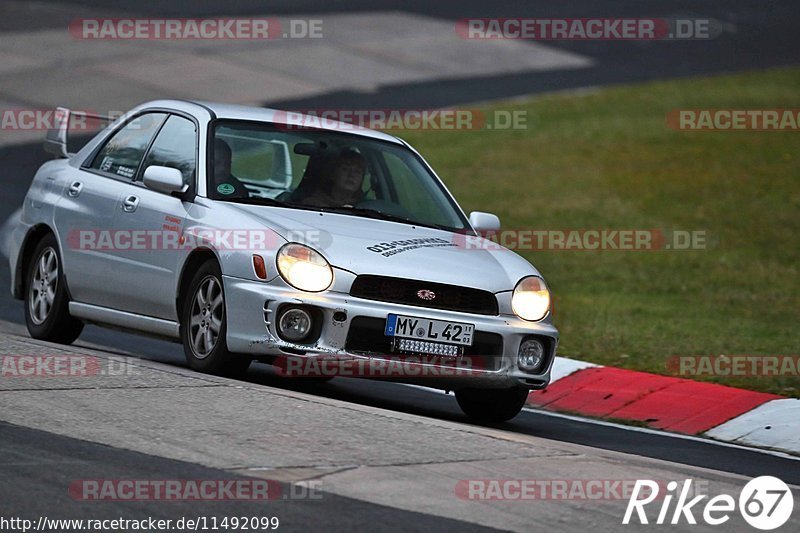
[39, 465]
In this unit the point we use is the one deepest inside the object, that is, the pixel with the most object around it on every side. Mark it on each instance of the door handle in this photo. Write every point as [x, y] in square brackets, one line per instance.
[130, 204]
[75, 189]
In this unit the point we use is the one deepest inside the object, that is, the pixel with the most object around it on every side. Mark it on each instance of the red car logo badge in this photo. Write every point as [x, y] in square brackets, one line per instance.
[425, 294]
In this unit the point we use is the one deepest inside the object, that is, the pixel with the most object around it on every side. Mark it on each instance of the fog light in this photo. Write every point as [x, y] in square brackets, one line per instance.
[294, 324]
[531, 355]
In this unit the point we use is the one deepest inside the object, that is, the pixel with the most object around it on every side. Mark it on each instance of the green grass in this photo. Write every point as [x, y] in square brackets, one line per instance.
[608, 160]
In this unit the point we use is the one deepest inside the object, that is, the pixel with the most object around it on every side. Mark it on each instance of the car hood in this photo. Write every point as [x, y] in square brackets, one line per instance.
[370, 246]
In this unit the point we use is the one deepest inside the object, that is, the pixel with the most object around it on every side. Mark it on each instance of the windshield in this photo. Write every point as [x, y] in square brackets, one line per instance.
[328, 171]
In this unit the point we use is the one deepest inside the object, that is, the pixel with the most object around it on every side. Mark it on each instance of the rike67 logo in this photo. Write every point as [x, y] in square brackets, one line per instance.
[765, 503]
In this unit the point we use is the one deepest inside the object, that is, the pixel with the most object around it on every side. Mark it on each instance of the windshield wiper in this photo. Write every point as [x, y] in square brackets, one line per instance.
[256, 201]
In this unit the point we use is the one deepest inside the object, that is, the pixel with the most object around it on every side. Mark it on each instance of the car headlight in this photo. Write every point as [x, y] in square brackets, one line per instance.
[304, 268]
[531, 299]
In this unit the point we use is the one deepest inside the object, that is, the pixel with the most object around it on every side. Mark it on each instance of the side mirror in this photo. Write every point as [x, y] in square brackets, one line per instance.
[484, 221]
[164, 179]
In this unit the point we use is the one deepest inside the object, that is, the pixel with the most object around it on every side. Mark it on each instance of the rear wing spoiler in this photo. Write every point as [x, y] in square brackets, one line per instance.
[56, 139]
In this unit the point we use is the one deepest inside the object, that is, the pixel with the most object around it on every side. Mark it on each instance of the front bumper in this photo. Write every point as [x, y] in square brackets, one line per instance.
[252, 309]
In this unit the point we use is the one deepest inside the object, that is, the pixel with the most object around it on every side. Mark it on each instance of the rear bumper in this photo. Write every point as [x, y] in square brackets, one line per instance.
[252, 308]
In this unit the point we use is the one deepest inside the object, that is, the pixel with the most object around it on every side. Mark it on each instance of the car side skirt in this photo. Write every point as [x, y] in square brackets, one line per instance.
[104, 316]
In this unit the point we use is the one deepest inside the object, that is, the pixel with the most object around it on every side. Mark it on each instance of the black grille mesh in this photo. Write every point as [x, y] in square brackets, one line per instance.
[404, 291]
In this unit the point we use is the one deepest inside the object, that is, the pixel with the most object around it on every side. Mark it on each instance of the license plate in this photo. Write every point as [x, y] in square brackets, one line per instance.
[411, 327]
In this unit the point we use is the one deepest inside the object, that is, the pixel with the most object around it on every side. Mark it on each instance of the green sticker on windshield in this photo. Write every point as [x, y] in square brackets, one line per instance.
[225, 188]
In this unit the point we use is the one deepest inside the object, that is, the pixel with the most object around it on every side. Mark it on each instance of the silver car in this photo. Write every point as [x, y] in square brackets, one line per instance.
[248, 234]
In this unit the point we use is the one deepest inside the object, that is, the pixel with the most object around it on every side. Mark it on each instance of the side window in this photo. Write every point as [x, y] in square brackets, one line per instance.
[175, 147]
[122, 153]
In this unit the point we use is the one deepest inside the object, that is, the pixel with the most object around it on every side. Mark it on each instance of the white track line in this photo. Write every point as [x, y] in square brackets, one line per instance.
[770, 425]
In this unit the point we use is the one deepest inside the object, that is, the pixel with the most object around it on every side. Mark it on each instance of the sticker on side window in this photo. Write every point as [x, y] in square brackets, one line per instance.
[105, 165]
[126, 172]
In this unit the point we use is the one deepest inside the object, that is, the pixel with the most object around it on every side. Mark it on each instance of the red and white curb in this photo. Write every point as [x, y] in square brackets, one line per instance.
[679, 405]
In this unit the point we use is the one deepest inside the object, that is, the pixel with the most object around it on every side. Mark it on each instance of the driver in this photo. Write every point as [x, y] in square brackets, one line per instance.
[340, 182]
[224, 183]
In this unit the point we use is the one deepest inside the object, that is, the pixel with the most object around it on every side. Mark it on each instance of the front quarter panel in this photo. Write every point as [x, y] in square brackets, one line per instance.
[233, 236]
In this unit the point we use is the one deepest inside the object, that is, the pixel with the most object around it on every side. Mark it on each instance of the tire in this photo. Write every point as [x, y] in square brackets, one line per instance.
[46, 301]
[492, 405]
[204, 326]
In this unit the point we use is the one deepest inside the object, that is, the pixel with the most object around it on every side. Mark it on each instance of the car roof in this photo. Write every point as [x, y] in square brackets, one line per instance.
[276, 116]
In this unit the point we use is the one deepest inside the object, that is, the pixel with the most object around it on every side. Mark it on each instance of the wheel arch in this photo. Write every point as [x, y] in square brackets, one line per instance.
[32, 238]
[195, 259]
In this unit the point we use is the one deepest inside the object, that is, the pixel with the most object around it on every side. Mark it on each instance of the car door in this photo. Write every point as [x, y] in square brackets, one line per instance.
[85, 215]
[154, 220]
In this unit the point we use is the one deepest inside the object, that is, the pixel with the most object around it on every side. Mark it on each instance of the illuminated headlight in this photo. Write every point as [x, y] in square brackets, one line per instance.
[531, 299]
[304, 268]
[531, 355]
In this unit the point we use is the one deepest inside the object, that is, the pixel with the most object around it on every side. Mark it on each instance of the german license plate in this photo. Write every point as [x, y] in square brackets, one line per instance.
[411, 327]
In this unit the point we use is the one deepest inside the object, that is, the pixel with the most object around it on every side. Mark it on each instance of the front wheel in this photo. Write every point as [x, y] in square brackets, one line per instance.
[492, 405]
[204, 326]
[46, 303]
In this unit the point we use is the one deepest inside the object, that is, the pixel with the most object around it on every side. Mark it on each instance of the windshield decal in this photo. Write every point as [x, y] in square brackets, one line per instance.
[225, 188]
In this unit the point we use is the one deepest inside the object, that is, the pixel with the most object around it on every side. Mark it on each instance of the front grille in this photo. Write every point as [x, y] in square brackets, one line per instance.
[366, 336]
[404, 291]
